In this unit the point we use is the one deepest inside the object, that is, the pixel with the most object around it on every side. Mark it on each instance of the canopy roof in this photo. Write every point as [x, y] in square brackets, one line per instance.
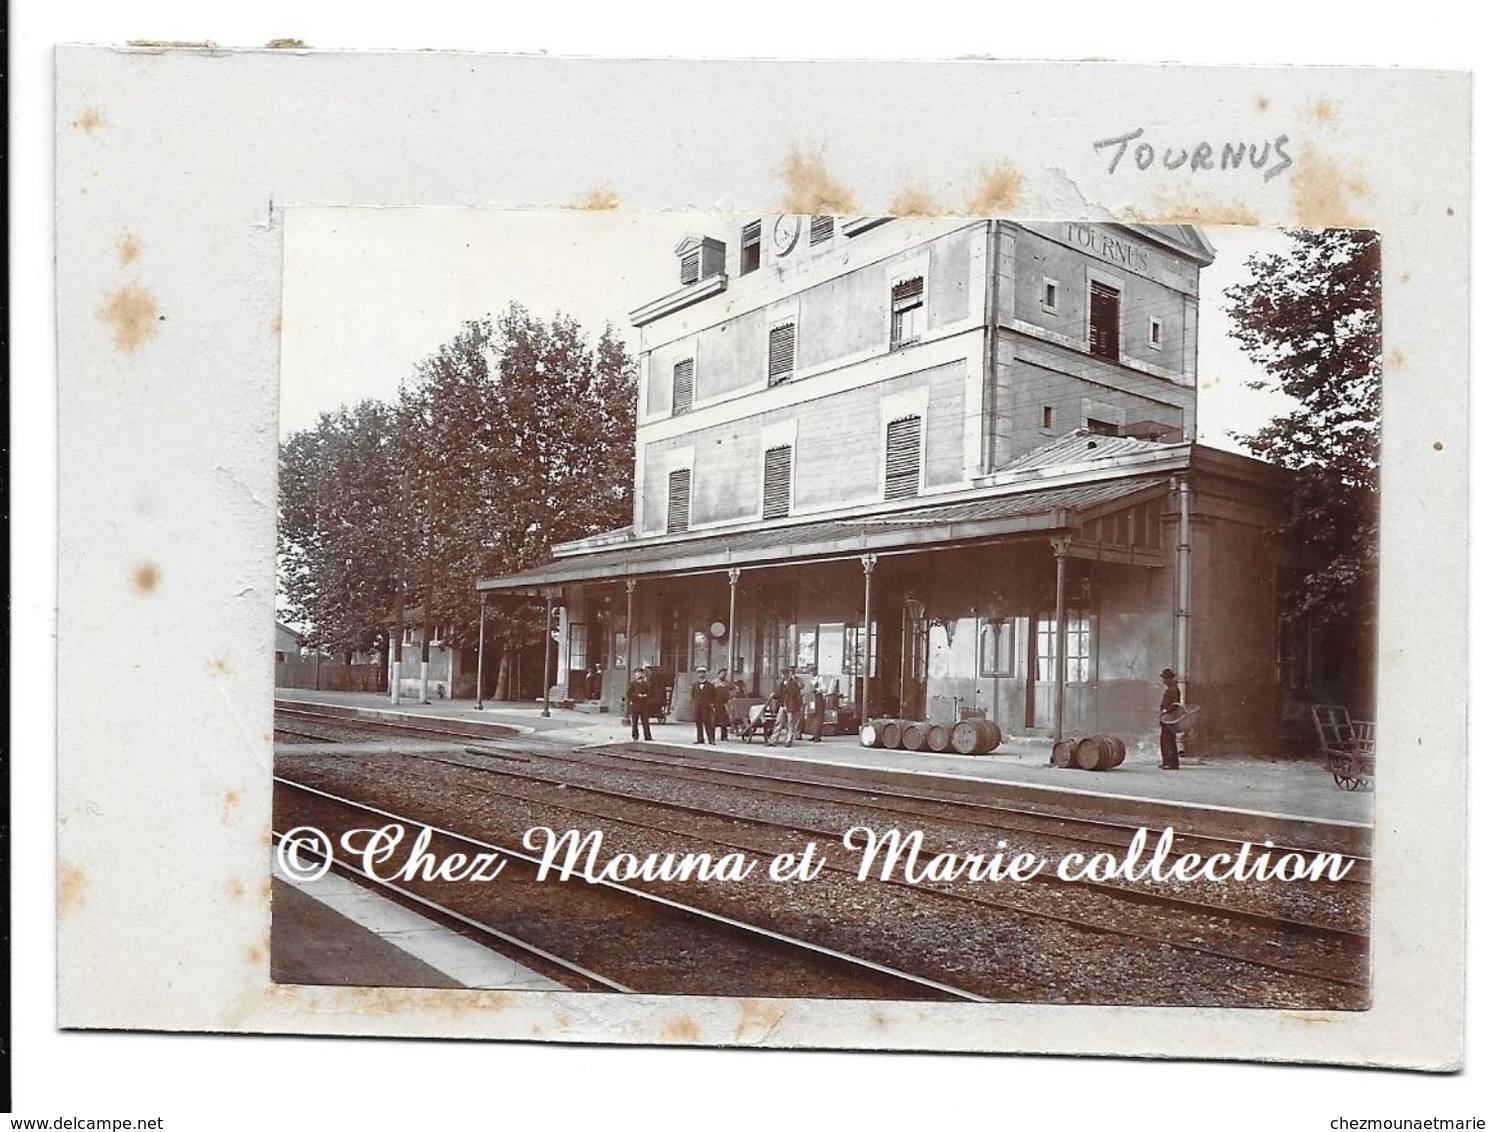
[1032, 512]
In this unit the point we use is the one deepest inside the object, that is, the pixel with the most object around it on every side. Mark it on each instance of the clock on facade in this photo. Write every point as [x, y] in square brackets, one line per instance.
[785, 234]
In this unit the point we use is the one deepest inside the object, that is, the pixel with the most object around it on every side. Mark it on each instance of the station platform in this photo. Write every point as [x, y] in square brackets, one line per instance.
[1291, 789]
[332, 932]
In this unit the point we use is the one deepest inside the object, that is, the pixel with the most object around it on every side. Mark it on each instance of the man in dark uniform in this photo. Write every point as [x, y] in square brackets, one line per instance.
[1167, 740]
[791, 706]
[703, 707]
[640, 702]
[723, 697]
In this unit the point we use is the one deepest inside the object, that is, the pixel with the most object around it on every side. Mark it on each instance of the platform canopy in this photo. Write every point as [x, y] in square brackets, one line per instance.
[1033, 512]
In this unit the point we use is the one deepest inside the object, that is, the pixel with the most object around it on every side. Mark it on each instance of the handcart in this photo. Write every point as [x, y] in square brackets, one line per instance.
[1348, 746]
[745, 718]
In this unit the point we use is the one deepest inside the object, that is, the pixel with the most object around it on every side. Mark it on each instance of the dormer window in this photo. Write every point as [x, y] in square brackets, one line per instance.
[700, 258]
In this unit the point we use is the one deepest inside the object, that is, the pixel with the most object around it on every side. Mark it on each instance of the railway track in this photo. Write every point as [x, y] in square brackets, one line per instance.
[613, 925]
[1325, 955]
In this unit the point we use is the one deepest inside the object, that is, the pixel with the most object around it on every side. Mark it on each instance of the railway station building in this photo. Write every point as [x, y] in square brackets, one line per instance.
[944, 466]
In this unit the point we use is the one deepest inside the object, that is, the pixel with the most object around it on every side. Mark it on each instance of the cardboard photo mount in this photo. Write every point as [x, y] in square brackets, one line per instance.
[174, 167]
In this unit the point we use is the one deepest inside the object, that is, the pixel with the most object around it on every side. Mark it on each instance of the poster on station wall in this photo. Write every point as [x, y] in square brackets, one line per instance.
[770, 586]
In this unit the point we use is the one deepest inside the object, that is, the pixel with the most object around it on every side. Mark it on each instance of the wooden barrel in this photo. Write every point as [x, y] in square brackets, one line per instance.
[871, 733]
[939, 737]
[1063, 755]
[892, 733]
[1100, 752]
[975, 736]
[915, 737]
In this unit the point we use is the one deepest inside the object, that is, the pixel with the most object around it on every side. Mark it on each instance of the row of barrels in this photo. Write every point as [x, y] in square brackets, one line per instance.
[968, 737]
[1095, 752]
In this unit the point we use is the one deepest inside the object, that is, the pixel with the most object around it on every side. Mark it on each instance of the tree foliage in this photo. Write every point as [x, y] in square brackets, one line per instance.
[514, 435]
[1311, 318]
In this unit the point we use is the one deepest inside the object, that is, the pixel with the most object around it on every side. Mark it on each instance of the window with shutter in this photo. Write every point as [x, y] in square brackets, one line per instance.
[777, 466]
[752, 244]
[685, 387]
[1105, 321]
[690, 268]
[677, 517]
[901, 480]
[908, 304]
[780, 353]
[822, 228]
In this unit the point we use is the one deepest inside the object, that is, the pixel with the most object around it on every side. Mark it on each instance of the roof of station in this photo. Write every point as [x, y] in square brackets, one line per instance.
[991, 517]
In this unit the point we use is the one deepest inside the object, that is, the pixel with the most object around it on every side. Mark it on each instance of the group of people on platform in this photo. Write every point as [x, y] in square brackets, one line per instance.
[788, 712]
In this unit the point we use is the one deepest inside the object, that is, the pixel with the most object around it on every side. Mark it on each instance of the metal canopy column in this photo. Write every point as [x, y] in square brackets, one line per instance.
[482, 625]
[1061, 625]
[1183, 609]
[869, 563]
[545, 673]
[628, 586]
[734, 576]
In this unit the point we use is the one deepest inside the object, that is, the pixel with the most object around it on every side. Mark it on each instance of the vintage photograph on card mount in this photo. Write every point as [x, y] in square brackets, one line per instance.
[830, 607]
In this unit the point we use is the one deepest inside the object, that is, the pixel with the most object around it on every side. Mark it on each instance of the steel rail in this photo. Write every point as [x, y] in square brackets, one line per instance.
[751, 930]
[487, 929]
[1285, 927]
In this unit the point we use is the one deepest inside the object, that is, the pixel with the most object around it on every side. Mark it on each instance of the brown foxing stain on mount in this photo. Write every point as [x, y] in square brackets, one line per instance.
[1180, 207]
[1404, 277]
[914, 202]
[601, 199]
[234, 889]
[680, 1028]
[759, 1018]
[255, 956]
[275, 326]
[72, 887]
[89, 120]
[1322, 112]
[146, 578]
[284, 44]
[1395, 360]
[809, 189]
[1263, 102]
[133, 313]
[218, 667]
[999, 189]
[128, 247]
[1321, 192]
[230, 804]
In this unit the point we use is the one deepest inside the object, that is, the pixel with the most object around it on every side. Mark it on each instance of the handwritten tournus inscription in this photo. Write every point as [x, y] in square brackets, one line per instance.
[1270, 158]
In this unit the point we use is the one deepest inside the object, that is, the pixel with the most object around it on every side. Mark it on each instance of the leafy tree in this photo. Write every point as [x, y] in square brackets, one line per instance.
[338, 498]
[514, 435]
[1311, 318]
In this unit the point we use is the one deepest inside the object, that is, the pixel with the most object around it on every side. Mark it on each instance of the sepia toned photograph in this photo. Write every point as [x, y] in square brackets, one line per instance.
[822, 606]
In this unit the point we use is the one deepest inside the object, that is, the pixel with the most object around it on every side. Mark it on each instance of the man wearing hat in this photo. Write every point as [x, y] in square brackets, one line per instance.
[1167, 740]
[640, 698]
[703, 706]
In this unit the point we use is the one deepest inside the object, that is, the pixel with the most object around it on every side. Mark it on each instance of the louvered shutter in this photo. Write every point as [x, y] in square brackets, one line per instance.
[777, 465]
[690, 268]
[908, 296]
[902, 478]
[822, 228]
[1105, 320]
[780, 353]
[685, 387]
[752, 244]
[678, 517]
